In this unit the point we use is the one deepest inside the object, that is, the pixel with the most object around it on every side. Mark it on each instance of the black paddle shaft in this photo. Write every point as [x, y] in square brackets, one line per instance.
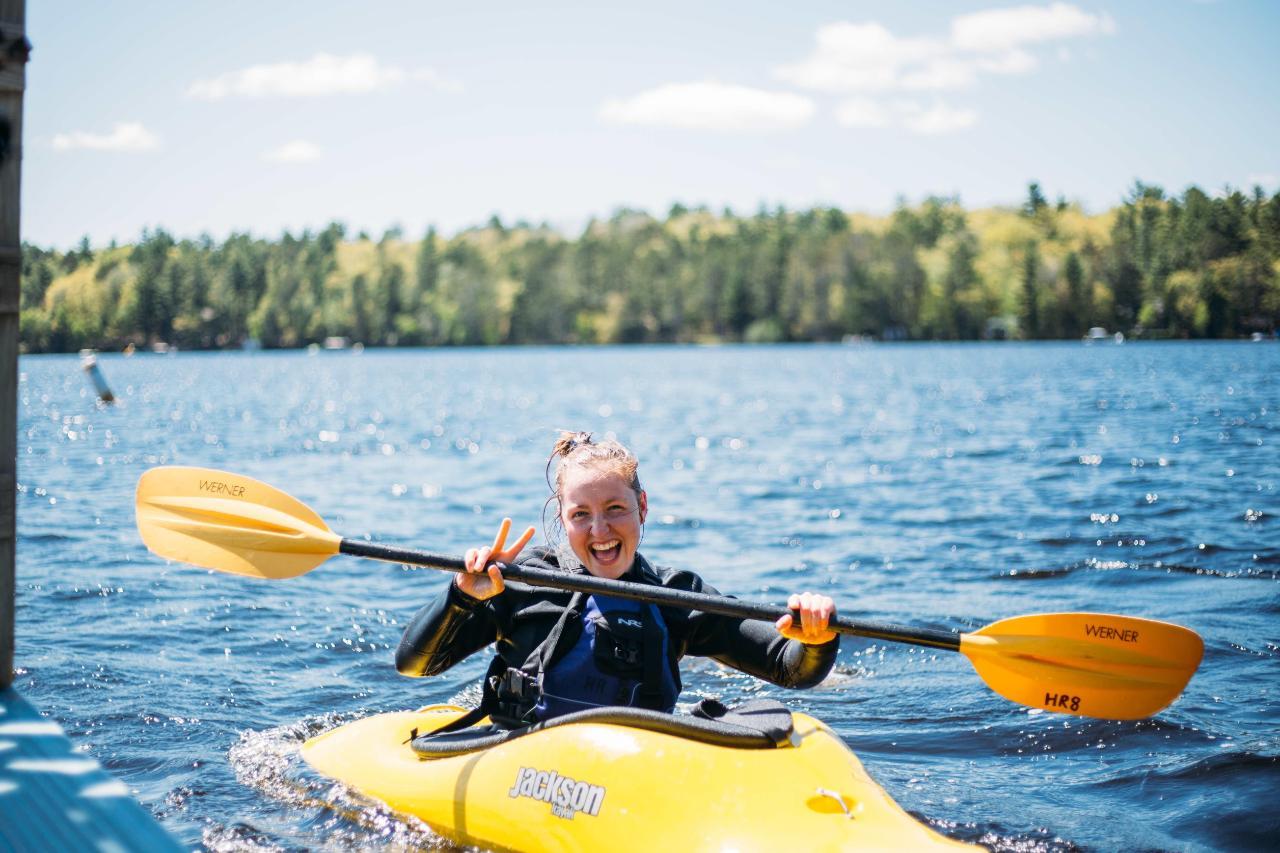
[721, 604]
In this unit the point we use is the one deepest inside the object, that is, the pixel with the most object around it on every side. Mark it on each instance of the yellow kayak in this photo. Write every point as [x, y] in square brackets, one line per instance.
[605, 786]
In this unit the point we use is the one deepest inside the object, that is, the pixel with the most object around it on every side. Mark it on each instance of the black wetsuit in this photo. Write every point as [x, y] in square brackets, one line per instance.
[455, 626]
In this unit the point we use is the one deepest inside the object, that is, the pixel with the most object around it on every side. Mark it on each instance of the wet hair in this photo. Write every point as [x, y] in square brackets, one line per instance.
[581, 450]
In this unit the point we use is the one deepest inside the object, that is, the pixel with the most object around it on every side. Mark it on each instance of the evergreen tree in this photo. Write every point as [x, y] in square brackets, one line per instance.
[960, 283]
[1036, 202]
[1030, 318]
[1076, 311]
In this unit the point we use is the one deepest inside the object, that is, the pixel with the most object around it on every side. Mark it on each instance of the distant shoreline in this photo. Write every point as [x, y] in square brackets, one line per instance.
[1193, 266]
[1064, 343]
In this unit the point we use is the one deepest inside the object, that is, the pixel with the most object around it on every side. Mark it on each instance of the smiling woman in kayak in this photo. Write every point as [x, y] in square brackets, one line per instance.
[559, 652]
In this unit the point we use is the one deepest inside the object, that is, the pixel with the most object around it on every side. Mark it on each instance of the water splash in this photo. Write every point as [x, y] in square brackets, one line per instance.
[337, 818]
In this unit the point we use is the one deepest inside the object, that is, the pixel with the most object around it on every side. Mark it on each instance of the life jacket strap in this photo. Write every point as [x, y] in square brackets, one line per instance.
[488, 703]
[650, 695]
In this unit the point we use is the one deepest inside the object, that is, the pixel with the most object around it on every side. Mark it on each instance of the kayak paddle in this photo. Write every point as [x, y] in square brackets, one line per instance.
[1088, 664]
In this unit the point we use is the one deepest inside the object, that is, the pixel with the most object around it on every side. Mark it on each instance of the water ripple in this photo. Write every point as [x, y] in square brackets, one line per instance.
[918, 485]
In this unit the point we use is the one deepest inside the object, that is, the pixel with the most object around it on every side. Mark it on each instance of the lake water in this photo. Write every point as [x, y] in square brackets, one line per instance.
[940, 486]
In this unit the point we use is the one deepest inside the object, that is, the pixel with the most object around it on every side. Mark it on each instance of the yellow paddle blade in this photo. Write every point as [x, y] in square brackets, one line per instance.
[1089, 664]
[231, 523]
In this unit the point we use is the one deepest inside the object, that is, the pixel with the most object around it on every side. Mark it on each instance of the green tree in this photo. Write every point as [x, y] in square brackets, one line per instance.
[1030, 318]
[1077, 309]
[961, 292]
[1036, 202]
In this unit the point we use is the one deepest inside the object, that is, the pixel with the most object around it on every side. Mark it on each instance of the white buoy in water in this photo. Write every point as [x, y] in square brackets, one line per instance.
[89, 361]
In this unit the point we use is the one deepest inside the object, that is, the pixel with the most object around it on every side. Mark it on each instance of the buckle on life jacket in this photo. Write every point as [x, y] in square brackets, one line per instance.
[514, 685]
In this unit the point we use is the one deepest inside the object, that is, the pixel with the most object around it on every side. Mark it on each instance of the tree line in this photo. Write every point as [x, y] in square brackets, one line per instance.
[1155, 266]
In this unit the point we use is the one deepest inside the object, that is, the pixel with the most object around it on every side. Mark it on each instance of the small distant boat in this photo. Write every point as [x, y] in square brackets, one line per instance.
[335, 342]
[162, 348]
[1097, 334]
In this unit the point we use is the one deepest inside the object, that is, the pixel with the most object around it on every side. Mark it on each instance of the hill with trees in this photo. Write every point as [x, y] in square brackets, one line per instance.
[1156, 266]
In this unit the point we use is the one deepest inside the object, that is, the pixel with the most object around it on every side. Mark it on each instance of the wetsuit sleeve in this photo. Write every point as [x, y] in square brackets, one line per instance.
[758, 649]
[754, 647]
[443, 633]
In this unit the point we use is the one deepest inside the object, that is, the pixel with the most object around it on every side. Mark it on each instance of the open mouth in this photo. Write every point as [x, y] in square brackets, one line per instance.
[607, 552]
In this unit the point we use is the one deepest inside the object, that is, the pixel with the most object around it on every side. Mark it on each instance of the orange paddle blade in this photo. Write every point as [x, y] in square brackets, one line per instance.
[1088, 664]
[230, 523]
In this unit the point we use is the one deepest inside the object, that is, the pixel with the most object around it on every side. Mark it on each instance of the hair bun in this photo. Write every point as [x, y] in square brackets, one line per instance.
[570, 441]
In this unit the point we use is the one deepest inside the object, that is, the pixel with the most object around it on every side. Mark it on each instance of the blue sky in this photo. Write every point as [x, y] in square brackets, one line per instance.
[213, 117]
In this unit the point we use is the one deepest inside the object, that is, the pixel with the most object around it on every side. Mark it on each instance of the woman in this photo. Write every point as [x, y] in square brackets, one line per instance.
[559, 652]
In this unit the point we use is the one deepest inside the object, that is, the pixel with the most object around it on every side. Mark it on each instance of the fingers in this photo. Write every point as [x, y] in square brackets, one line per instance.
[495, 578]
[500, 551]
[477, 558]
[815, 612]
[511, 553]
[501, 538]
[483, 577]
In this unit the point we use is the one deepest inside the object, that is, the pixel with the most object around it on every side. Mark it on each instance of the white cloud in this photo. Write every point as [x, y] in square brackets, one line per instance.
[297, 151]
[863, 112]
[1005, 29]
[710, 106]
[322, 74]
[1012, 62]
[953, 72]
[867, 57]
[858, 58]
[1262, 179]
[915, 117]
[124, 136]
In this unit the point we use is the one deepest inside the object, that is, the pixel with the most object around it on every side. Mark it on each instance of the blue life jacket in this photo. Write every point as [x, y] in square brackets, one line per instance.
[616, 652]
[619, 657]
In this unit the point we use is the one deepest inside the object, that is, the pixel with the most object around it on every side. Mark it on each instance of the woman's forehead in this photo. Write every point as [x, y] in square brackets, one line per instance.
[582, 482]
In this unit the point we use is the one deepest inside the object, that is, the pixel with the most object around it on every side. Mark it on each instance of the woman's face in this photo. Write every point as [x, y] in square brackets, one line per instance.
[603, 518]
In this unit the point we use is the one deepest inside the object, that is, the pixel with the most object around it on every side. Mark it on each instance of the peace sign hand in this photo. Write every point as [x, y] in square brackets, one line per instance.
[483, 578]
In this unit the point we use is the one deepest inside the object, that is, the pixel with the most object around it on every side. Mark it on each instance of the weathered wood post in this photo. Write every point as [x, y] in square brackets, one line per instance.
[14, 50]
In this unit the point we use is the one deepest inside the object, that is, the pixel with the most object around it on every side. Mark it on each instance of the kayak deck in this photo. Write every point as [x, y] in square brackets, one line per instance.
[601, 786]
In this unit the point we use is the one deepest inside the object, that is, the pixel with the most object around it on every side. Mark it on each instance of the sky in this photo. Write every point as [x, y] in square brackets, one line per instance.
[221, 117]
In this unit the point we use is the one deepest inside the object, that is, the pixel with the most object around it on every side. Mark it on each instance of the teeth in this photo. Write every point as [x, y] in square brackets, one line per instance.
[608, 546]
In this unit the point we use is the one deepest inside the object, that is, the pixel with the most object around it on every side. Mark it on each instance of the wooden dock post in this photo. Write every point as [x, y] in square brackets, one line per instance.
[14, 50]
[51, 797]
